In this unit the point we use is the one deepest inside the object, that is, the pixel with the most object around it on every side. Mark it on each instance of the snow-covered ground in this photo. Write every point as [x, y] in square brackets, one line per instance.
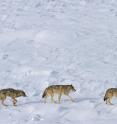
[45, 42]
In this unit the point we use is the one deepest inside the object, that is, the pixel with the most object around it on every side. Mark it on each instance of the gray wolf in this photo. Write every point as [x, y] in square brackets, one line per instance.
[110, 93]
[58, 89]
[10, 92]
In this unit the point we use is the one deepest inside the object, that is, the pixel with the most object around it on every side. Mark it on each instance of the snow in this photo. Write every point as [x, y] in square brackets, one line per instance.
[46, 42]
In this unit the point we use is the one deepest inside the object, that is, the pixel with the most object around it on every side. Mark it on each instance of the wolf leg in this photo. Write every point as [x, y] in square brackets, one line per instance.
[70, 98]
[109, 100]
[14, 102]
[45, 99]
[59, 97]
[52, 99]
[106, 101]
[3, 102]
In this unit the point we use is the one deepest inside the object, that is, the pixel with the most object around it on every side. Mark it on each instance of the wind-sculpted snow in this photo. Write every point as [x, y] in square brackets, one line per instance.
[46, 42]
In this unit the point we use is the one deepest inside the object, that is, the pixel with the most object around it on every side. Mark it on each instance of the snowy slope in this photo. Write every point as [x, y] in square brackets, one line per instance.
[44, 42]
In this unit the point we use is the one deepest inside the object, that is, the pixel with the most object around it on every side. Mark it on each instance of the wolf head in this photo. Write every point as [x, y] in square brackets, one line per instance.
[22, 93]
[72, 88]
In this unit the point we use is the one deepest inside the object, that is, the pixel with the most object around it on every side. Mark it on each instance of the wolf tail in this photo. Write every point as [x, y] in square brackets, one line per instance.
[105, 97]
[44, 93]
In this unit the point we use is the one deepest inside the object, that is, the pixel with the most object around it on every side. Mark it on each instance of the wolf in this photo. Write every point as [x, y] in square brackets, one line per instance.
[10, 92]
[58, 89]
[110, 93]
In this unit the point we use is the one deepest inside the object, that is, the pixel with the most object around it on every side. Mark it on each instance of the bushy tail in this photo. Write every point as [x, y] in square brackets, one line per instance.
[105, 97]
[45, 93]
